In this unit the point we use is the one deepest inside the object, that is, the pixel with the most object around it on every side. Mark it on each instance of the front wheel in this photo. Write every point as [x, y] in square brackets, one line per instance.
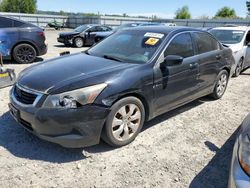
[221, 85]
[124, 122]
[78, 42]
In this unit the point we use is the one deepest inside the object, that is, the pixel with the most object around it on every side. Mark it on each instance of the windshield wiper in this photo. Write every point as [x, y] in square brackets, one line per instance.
[112, 58]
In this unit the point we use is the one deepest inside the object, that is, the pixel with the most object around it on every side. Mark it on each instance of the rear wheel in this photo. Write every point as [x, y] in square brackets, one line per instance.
[124, 122]
[78, 42]
[24, 53]
[239, 68]
[221, 85]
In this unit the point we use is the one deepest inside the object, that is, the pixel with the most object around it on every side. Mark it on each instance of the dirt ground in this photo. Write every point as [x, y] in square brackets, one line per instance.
[188, 147]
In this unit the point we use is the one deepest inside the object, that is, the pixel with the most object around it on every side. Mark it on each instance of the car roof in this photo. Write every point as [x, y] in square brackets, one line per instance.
[237, 28]
[163, 29]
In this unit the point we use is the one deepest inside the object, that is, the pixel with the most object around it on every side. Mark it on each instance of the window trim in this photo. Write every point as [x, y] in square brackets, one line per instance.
[191, 38]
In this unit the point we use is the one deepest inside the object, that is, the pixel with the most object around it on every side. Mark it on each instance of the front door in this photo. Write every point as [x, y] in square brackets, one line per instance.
[176, 84]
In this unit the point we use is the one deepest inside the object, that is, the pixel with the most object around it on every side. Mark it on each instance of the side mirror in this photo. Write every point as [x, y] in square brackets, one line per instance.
[172, 60]
[248, 44]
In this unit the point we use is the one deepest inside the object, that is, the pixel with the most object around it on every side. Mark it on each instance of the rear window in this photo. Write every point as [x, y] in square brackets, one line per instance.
[6, 22]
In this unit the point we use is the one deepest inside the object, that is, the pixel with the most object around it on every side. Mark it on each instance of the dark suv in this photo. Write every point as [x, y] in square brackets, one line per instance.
[21, 40]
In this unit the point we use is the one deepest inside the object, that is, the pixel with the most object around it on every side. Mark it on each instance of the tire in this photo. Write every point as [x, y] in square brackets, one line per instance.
[239, 68]
[78, 42]
[221, 85]
[24, 53]
[121, 128]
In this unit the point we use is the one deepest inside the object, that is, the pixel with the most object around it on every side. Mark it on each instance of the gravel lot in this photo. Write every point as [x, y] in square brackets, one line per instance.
[187, 147]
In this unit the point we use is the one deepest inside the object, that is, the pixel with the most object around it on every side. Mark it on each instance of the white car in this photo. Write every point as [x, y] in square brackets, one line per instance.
[238, 39]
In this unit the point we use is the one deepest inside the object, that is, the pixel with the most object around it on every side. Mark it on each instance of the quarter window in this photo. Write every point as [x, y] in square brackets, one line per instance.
[205, 43]
[181, 45]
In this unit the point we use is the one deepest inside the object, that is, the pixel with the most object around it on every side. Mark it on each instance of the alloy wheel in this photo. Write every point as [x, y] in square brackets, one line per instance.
[126, 122]
[25, 54]
[222, 85]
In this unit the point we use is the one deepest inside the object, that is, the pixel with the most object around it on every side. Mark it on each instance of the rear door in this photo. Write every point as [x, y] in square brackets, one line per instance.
[9, 35]
[209, 53]
[177, 84]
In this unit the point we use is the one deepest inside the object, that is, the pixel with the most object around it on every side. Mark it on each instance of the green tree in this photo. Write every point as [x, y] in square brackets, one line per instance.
[226, 12]
[22, 6]
[183, 13]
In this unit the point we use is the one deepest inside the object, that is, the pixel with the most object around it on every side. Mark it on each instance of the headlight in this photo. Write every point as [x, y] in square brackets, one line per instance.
[75, 98]
[244, 152]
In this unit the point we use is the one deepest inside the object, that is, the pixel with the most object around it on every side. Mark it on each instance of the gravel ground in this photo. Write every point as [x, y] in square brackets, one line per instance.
[188, 147]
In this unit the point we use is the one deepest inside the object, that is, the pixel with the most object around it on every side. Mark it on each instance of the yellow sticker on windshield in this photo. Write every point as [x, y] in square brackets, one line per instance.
[4, 75]
[152, 41]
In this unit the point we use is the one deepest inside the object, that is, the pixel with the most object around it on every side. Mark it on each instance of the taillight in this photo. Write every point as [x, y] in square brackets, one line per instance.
[42, 34]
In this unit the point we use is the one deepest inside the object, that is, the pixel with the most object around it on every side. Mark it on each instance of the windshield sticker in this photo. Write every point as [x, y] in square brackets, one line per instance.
[154, 35]
[152, 41]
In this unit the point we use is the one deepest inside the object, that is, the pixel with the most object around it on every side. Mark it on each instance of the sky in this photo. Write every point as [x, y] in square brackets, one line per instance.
[161, 8]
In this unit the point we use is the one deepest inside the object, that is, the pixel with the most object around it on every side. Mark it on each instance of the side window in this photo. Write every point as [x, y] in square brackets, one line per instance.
[5, 22]
[181, 45]
[205, 43]
[105, 28]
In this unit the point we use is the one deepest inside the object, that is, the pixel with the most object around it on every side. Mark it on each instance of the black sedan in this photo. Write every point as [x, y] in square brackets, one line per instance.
[103, 35]
[82, 35]
[110, 90]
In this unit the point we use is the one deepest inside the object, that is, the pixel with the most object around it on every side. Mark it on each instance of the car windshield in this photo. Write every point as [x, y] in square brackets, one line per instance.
[228, 36]
[129, 46]
[81, 28]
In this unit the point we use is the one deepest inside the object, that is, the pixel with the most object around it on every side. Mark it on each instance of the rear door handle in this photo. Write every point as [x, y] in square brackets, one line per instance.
[193, 65]
[218, 57]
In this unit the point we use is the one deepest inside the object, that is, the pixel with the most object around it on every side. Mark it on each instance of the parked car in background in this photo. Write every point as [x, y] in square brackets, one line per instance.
[238, 39]
[101, 36]
[110, 90]
[239, 176]
[55, 24]
[21, 40]
[82, 35]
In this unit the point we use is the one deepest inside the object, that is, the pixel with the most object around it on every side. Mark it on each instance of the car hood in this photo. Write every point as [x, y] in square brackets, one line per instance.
[68, 33]
[64, 71]
[235, 47]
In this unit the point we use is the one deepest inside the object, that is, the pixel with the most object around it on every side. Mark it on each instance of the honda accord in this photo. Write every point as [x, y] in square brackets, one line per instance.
[110, 90]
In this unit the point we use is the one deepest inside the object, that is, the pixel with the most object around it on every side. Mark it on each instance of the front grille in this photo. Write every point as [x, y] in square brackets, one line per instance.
[24, 96]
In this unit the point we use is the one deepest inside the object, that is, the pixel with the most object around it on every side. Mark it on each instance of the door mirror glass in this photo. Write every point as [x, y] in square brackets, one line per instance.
[172, 60]
[248, 44]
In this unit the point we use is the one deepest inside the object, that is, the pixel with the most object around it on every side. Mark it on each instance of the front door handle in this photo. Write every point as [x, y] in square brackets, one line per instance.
[218, 57]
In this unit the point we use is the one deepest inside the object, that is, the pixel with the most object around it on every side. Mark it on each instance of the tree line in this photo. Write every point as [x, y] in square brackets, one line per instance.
[30, 6]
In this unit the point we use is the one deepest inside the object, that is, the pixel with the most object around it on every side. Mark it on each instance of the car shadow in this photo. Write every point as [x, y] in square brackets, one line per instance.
[9, 62]
[216, 172]
[23, 144]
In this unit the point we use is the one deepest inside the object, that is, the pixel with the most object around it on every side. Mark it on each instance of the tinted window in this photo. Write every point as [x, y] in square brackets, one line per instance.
[105, 28]
[205, 43]
[181, 45]
[5, 22]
